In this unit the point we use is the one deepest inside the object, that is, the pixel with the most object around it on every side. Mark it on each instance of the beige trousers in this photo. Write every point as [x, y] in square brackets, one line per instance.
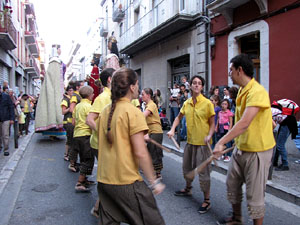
[4, 134]
[251, 168]
[193, 156]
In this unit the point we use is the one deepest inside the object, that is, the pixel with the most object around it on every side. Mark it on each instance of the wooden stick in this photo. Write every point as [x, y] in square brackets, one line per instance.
[175, 142]
[159, 145]
[199, 168]
[88, 76]
[211, 151]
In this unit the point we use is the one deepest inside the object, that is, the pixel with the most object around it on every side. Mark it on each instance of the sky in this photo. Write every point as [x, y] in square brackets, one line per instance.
[62, 21]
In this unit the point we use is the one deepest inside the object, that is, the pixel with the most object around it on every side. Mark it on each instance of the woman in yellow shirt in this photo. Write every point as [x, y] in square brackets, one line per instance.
[155, 131]
[124, 195]
[200, 122]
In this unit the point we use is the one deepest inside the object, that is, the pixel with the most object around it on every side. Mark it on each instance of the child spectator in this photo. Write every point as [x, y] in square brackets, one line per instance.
[224, 124]
[216, 101]
[82, 133]
[175, 91]
[185, 82]
[174, 102]
[21, 121]
[163, 113]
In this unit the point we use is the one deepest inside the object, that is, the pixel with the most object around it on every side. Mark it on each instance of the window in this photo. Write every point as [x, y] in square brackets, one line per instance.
[181, 5]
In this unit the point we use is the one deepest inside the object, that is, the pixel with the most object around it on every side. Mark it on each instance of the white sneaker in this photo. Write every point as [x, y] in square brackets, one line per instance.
[226, 159]
[297, 161]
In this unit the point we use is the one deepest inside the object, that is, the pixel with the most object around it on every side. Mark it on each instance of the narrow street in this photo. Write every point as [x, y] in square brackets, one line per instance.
[41, 191]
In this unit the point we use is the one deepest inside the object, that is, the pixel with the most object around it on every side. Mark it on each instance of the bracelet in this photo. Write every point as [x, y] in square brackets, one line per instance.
[155, 183]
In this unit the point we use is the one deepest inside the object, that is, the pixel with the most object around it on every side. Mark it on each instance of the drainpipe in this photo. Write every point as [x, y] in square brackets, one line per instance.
[207, 50]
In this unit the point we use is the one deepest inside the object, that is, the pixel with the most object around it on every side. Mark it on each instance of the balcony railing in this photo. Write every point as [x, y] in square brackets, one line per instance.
[155, 18]
[30, 37]
[103, 30]
[209, 1]
[8, 33]
[32, 68]
[34, 49]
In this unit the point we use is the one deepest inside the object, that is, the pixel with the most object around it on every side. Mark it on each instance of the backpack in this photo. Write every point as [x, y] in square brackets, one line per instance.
[288, 107]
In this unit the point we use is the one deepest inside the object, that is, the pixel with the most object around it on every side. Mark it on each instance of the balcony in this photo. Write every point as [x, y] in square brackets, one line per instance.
[34, 49]
[30, 37]
[158, 24]
[226, 7]
[29, 8]
[8, 33]
[118, 15]
[32, 69]
[103, 30]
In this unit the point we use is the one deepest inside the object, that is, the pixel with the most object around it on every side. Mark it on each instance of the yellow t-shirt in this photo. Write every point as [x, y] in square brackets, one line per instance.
[80, 113]
[22, 118]
[99, 104]
[26, 107]
[197, 119]
[65, 103]
[116, 162]
[135, 102]
[259, 135]
[153, 120]
[74, 97]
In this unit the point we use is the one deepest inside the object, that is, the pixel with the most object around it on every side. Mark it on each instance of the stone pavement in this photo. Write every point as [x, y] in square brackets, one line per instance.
[9, 163]
[284, 184]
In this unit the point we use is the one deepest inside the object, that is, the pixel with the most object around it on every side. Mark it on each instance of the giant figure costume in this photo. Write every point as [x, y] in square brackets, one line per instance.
[49, 114]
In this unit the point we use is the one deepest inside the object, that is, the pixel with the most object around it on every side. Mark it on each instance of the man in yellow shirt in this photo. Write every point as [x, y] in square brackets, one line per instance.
[200, 114]
[99, 104]
[68, 126]
[75, 99]
[82, 134]
[253, 133]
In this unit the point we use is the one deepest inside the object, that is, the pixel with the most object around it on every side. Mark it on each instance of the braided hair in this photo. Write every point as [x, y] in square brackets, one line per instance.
[121, 81]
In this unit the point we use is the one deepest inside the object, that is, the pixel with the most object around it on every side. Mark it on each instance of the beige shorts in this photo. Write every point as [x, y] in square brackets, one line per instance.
[251, 168]
[193, 156]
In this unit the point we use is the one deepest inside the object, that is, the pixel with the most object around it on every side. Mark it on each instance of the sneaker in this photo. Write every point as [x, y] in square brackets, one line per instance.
[204, 209]
[297, 161]
[6, 153]
[282, 168]
[226, 159]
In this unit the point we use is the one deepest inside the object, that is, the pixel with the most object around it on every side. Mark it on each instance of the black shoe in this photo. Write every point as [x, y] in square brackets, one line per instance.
[282, 168]
[6, 153]
[231, 220]
[204, 209]
[185, 192]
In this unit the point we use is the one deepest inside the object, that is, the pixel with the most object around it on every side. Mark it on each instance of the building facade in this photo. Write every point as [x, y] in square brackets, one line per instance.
[264, 29]
[19, 51]
[162, 40]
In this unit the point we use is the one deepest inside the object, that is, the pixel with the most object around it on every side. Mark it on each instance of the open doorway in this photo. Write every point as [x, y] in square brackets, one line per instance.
[250, 45]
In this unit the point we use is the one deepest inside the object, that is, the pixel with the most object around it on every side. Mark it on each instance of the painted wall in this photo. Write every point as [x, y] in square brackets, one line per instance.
[219, 58]
[284, 50]
[285, 56]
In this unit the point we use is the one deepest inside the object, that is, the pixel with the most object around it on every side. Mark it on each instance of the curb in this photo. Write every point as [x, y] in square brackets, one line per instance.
[277, 190]
[9, 168]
